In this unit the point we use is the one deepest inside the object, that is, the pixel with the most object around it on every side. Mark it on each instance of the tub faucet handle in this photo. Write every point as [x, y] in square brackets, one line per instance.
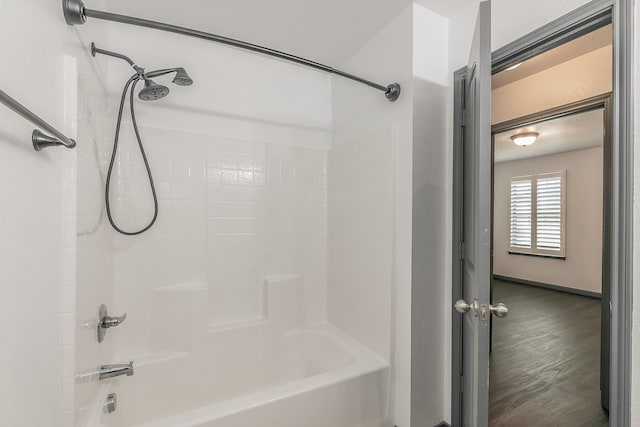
[105, 321]
[111, 321]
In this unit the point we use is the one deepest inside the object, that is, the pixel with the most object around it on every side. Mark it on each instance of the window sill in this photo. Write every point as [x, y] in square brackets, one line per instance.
[558, 257]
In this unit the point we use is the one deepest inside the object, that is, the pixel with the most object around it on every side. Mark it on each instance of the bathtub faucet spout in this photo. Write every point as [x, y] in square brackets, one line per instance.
[111, 371]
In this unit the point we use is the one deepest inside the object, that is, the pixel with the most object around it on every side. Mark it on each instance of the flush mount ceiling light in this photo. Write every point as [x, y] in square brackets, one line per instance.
[513, 67]
[524, 139]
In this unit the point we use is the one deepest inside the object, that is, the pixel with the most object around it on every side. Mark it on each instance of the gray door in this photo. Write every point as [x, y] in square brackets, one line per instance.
[476, 234]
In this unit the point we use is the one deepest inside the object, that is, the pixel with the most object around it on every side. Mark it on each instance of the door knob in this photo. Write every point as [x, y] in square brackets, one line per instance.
[499, 310]
[462, 306]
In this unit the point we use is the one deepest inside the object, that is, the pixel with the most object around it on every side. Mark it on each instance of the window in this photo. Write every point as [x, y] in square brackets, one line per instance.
[537, 215]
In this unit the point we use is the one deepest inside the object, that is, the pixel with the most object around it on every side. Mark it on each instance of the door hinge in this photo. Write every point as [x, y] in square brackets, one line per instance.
[461, 250]
[610, 309]
[463, 117]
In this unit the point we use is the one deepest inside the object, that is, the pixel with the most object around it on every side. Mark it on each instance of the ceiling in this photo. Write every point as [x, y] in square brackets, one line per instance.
[446, 8]
[588, 43]
[327, 31]
[569, 133]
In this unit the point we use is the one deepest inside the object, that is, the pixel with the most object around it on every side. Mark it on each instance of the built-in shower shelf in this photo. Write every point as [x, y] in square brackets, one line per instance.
[282, 305]
[239, 324]
[192, 286]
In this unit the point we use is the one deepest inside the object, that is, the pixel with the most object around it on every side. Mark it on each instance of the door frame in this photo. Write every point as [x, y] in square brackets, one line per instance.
[583, 20]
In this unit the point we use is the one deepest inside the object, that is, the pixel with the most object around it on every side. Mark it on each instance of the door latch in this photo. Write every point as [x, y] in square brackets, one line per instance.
[484, 312]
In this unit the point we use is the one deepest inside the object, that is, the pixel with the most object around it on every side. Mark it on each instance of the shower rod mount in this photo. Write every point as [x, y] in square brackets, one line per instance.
[41, 140]
[75, 13]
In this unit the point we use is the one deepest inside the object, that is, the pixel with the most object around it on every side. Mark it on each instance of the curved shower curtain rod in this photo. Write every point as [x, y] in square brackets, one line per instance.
[75, 13]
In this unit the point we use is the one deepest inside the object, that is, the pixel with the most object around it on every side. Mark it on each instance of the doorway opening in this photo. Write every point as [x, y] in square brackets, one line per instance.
[470, 391]
[550, 357]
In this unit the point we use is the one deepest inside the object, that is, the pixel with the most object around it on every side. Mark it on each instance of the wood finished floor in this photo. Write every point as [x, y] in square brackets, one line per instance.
[545, 364]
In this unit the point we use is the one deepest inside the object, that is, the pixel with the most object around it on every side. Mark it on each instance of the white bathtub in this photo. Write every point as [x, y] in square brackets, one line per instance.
[313, 377]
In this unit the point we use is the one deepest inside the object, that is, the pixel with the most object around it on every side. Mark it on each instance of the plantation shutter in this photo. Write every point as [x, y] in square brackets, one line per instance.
[549, 213]
[521, 213]
[537, 214]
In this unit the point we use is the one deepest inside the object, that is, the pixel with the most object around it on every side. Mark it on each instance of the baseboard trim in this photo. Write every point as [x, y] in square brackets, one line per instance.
[581, 292]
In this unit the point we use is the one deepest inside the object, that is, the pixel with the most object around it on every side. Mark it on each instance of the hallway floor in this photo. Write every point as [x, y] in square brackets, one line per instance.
[545, 364]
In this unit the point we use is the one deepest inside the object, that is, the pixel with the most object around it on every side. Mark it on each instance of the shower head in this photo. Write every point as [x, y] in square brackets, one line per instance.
[182, 78]
[152, 91]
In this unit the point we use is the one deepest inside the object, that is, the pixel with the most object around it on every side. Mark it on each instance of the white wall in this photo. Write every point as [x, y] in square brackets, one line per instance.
[429, 268]
[384, 226]
[236, 94]
[32, 216]
[367, 194]
[38, 275]
[582, 268]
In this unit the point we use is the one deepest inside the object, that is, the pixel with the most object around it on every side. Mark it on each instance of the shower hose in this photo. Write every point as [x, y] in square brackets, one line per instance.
[133, 81]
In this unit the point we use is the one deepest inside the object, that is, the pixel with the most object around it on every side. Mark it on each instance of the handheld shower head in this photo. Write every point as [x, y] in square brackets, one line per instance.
[152, 91]
[182, 78]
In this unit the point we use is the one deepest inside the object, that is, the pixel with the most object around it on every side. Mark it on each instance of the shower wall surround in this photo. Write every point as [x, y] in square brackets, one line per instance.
[368, 136]
[268, 173]
[232, 214]
[387, 222]
[239, 162]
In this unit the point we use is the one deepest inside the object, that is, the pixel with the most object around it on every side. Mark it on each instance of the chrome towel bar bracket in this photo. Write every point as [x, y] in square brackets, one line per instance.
[41, 141]
[38, 138]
